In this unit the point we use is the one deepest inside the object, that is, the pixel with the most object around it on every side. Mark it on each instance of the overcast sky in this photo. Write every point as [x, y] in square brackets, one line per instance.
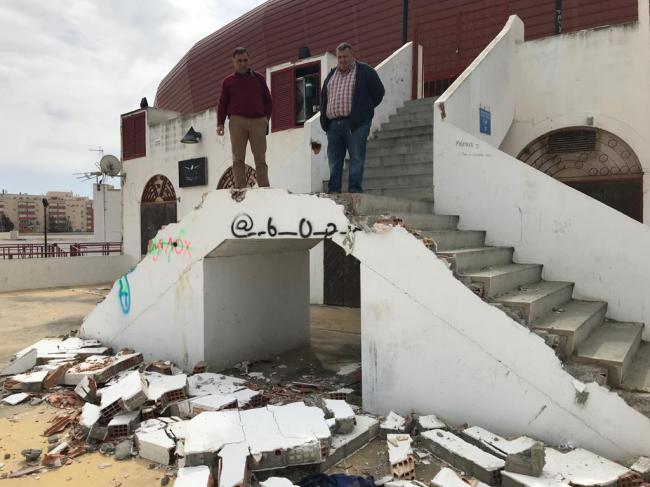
[69, 68]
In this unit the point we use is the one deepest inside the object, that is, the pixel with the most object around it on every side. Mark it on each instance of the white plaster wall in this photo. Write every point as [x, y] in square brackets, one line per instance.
[435, 351]
[430, 345]
[486, 83]
[255, 306]
[107, 213]
[316, 273]
[560, 81]
[18, 274]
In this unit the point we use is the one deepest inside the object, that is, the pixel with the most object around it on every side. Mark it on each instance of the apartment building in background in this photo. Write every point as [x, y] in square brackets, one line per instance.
[66, 211]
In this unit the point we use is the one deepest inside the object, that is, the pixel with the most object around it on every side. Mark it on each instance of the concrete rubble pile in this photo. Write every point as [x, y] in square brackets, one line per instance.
[211, 429]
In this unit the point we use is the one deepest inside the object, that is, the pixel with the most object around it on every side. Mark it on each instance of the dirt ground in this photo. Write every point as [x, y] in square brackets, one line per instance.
[28, 316]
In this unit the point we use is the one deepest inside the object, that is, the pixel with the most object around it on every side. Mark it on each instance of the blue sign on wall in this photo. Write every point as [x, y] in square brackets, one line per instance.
[485, 119]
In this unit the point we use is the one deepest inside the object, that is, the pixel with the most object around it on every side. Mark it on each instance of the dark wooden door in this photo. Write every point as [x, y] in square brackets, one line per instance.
[624, 195]
[152, 218]
[342, 280]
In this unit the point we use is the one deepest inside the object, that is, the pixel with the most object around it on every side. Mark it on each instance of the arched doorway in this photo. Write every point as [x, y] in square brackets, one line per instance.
[157, 208]
[593, 161]
[227, 179]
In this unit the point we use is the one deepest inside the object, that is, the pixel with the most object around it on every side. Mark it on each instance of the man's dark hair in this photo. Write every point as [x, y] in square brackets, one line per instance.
[344, 46]
[239, 50]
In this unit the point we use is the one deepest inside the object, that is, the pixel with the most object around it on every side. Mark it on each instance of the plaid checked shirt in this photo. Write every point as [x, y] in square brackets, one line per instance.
[339, 92]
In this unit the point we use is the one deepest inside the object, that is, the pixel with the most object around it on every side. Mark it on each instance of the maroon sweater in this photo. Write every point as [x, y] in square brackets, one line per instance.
[246, 95]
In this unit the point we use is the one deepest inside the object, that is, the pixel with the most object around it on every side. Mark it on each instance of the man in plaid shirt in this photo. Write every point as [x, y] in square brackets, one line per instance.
[350, 94]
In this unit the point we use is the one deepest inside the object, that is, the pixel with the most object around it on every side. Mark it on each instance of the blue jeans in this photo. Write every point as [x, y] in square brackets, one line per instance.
[339, 139]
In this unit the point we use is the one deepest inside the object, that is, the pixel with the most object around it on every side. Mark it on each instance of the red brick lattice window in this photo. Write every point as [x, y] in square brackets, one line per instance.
[228, 179]
[159, 189]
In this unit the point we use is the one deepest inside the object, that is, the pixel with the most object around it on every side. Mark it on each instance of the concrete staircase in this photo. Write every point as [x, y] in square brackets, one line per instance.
[398, 158]
[399, 186]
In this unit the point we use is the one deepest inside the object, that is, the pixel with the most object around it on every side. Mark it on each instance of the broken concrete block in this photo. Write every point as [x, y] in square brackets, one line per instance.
[207, 433]
[211, 402]
[642, 467]
[165, 389]
[577, 467]
[199, 368]
[127, 394]
[463, 455]
[400, 456]
[101, 368]
[365, 430]
[349, 374]
[448, 478]
[27, 382]
[182, 409]
[296, 420]
[122, 425]
[495, 444]
[14, 399]
[392, 424]
[156, 446]
[343, 415]
[249, 398]
[233, 470]
[199, 476]
[21, 364]
[277, 482]
[90, 415]
[160, 367]
[87, 389]
[429, 422]
[206, 383]
[528, 462]
[342, 394]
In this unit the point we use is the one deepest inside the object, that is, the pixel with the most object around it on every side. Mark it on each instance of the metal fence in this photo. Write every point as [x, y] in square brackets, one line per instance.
[40, 251]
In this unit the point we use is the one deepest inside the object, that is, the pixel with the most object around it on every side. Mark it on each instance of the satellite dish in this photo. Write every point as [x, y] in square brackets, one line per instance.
[110, 165]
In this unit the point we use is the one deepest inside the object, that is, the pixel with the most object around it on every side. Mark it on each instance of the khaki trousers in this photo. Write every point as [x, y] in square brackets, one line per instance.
[243, 130]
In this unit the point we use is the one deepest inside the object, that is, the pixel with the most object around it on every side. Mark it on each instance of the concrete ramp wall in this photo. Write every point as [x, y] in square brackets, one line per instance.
[428, 343]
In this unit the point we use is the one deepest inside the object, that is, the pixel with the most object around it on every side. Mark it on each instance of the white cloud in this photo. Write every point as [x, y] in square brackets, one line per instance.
[69, 69]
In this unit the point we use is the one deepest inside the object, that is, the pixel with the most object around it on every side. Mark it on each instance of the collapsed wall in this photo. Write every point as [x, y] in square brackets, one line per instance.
[428, 343]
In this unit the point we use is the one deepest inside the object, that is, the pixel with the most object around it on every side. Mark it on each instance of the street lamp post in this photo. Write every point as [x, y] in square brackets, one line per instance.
[45, 205]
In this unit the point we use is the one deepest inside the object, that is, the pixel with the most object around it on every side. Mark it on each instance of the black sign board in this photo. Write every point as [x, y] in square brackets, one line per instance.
[193, 172]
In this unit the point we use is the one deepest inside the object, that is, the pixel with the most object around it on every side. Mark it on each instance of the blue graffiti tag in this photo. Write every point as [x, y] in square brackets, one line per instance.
[125, 294]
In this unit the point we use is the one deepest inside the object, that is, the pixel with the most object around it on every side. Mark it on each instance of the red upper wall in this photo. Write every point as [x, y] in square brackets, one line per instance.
[452, 32]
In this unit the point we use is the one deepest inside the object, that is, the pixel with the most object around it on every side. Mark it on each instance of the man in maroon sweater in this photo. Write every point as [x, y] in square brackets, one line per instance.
[246, 100]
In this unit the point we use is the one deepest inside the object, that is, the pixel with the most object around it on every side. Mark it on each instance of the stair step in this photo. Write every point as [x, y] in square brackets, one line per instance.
[397, 182]
[535, 300]
[422, 169]
[400, 160]
[637, 376]
[421, 221]
[575, 320]
[456, 239]
[370, 204]
[399, 149]
[408, 117]
[501, 279]
[478, 258]
[398, 133]
[407, 123]
[392, 140]
[428, 100]
[613, 344]
[415, 194]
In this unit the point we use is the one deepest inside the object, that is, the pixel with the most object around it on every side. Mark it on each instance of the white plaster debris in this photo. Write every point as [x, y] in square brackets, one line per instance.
[15, 399]
[21, 364]
[296, 420]
[465, 450]
[233, 465]
[210, 431]
[430, 422]
[642, 467]
[577, 467]
[503, 446]
[277, 482]
[399, 448]
[157, 423]
[245, 396]
[125, 419]
[256, 375]
[208, 382]
[393, 422]
[128, 388]
[448, 478]
[211, 402]
[89, 415]
[160, 384]
[29, 380]
[343, 414]
[155, 446]
[349, 369]
[102, 367]
[193, 477]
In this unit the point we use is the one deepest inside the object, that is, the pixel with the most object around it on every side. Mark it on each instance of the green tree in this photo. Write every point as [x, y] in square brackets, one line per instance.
[6, 225]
